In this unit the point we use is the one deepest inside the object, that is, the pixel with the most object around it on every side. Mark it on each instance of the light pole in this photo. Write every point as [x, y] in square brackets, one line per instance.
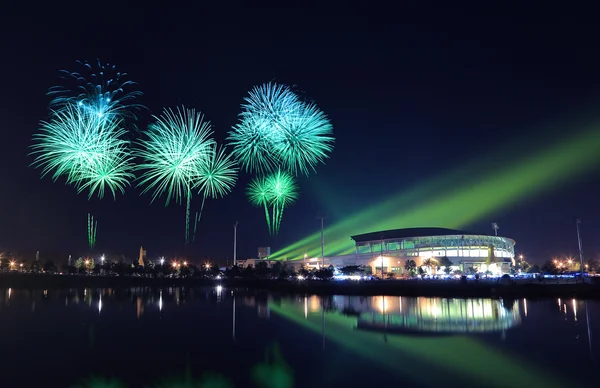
[577, 222]
[162, 261]
[382, 257]
[322, 242]
[235, 243]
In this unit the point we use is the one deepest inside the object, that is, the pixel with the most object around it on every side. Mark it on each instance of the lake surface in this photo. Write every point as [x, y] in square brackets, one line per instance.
[217, 337]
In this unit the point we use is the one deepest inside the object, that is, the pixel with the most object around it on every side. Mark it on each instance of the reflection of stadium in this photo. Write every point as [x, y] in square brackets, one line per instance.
[392, 248]
[423, 315]
[439, 315]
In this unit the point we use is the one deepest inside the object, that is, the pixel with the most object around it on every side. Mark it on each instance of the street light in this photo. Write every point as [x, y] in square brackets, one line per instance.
[185, 263]
[162, 261]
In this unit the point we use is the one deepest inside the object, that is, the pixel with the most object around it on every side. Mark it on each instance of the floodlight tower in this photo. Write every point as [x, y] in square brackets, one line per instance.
[577, 222]
[235, 243]
[495, 227]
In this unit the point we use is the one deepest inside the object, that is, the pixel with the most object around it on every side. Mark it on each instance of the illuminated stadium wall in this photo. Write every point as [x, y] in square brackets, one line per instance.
[392, 248]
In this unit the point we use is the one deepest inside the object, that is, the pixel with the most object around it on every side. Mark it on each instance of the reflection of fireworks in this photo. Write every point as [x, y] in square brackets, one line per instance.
[98, 89]
[86, 149]
[277, 190]
[277, 129]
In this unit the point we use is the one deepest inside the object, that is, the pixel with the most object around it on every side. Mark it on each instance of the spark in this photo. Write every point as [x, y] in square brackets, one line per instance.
[176, 147]
[278, 130]
[87, 150]
[98, 89]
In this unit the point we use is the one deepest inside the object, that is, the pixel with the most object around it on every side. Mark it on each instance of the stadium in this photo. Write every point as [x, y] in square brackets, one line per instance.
[389, 250]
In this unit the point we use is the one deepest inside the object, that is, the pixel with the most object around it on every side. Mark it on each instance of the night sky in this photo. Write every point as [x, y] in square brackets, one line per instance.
[412, 94]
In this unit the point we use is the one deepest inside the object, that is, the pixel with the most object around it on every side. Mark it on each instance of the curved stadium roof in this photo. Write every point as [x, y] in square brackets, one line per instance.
[413, 232]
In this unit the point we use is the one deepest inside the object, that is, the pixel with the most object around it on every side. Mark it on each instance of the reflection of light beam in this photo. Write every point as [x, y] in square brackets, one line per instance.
[575, 309]
[160, 302]
[100, 304]
[525, 306]
[458, 358]
[468, 196]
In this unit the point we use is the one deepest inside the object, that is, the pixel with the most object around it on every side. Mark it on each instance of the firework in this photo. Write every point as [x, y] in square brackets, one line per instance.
[275, 191]
[215, 177]
[87, 150]
[284, 192]
[98, 89]
[277, 129]
[259, 195]
[178, 145]
[305, 139]
[92, 228]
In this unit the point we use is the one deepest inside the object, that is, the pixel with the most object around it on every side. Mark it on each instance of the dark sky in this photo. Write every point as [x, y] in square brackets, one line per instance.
[411, 93]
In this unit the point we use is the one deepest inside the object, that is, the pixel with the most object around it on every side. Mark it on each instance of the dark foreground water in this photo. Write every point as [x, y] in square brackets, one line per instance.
[220, 337]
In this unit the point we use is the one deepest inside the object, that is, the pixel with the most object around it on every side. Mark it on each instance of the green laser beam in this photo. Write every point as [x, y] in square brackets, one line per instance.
[461, 197]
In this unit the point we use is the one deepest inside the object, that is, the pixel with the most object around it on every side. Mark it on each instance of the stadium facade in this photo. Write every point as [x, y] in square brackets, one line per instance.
[389, 250]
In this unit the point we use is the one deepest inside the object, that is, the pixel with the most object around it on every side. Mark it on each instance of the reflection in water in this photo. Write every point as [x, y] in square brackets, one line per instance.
[589, 332]
[381, 328]
[439, 315]
[233, 330]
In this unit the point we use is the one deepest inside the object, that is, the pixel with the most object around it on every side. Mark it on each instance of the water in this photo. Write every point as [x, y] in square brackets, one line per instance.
[219, 337]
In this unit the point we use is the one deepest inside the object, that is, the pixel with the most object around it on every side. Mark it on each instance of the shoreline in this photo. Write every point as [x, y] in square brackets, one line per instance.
[367, 288]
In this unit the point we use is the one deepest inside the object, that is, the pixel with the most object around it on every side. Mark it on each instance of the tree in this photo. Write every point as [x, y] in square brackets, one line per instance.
[534, 269]
[290, 270]
[79, 263]
[351, 270]
[276, 269]
[549, 267]
[49, 266]
[233, 272]
[262, 269]
[446, 263]
[90, 264]
[421, 270]
[410, 266]
[431, 264]
[324, 273]
[249, 272]
[368, 270]
[303, 271]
